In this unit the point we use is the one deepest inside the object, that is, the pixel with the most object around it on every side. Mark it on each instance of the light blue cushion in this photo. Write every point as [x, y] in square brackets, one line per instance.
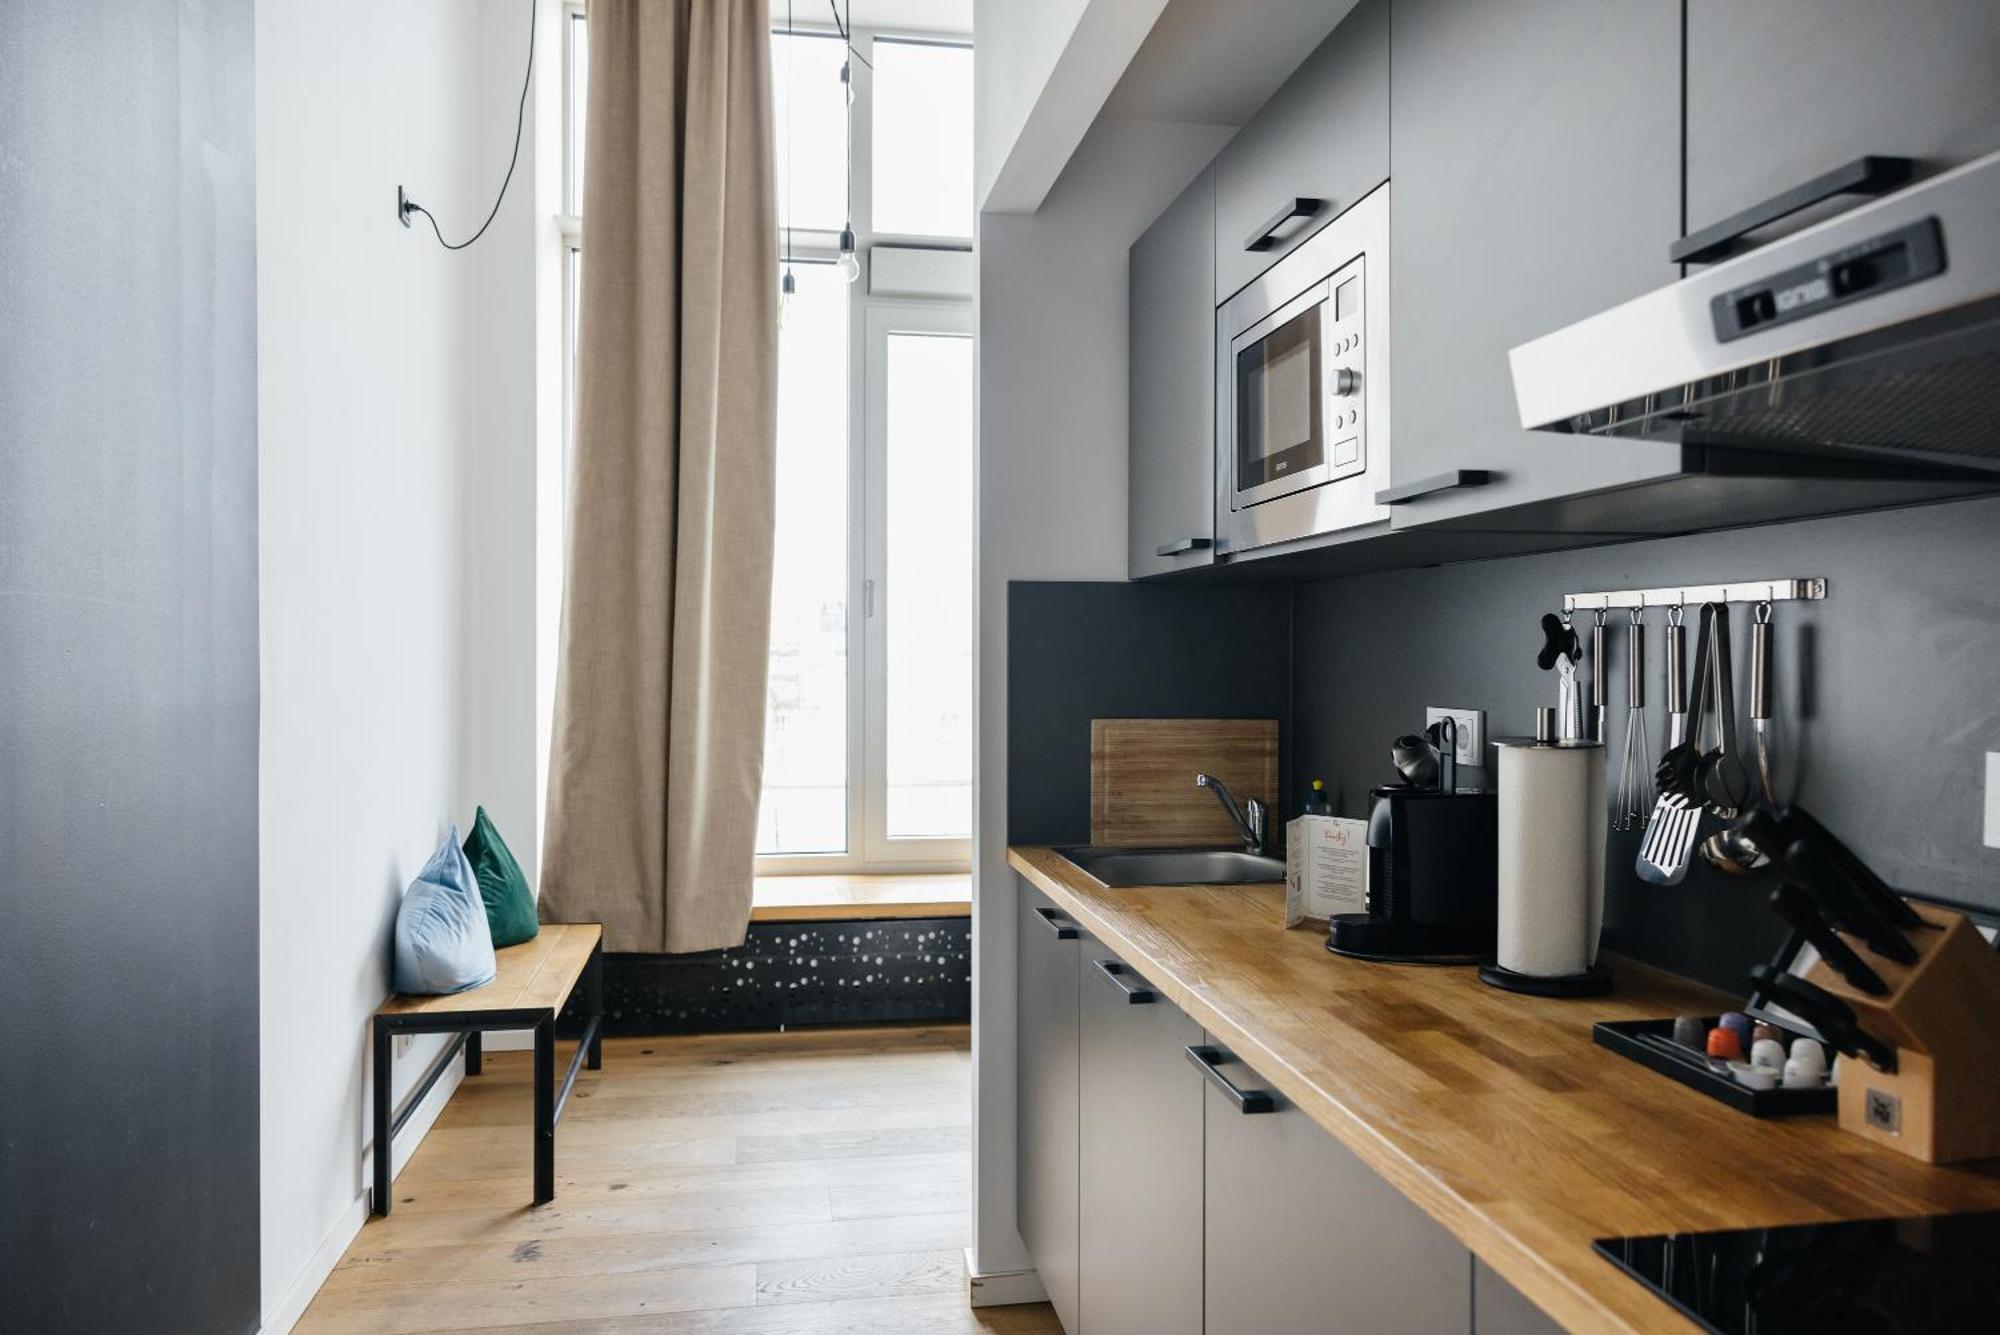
[442, 941]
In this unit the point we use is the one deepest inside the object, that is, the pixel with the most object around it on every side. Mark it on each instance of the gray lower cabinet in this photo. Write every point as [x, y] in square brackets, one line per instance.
[1046, 1036]
[1170, 469]
[1323, 135]
[1499, 1309]
[1141, 1157]
[1535, 162]
[1781, 91]
[1303, 1238]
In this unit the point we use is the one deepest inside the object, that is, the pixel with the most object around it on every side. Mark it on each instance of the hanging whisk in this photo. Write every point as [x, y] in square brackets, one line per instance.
[1635, 773]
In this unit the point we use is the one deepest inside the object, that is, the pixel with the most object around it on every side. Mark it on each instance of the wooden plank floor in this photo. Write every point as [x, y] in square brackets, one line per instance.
[812, 1183]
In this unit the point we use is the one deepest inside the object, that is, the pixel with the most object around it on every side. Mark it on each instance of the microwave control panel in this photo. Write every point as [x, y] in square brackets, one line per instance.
[1344, 414]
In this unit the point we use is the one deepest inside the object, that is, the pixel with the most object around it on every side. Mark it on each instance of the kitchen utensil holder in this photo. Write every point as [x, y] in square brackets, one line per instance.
[1942, 1102]
[1694, 595]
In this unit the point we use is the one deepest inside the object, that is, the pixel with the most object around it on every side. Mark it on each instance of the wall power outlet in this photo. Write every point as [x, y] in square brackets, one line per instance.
[1471, 732]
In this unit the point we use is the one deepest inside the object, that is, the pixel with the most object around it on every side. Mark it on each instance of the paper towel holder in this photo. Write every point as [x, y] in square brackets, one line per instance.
[1595, 979]
[1592, 982]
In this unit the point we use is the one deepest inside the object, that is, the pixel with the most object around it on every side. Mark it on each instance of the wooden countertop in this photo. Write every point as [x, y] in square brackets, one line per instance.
[1494, 1112]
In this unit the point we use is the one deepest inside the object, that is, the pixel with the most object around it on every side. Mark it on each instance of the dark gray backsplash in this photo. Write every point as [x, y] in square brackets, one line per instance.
[1076, 652]
[128, 653]
[1888, 696]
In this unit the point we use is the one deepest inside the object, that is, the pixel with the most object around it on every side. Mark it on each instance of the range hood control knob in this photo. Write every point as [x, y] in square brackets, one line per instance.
[1344, 380]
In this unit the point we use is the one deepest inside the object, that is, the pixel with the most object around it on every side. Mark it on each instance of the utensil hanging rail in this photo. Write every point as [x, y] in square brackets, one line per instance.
[1694, 595]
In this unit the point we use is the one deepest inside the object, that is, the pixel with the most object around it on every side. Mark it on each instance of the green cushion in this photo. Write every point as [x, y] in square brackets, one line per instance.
[510, 905]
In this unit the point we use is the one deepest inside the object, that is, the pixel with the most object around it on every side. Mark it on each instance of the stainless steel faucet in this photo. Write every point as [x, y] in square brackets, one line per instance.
[1248, 818]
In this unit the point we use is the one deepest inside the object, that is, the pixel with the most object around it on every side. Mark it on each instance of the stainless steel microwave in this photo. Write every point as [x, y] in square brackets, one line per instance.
[1302, 388]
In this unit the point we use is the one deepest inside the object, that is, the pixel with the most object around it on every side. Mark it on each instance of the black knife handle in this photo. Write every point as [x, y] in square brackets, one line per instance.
[1861, 911]
[1792, 904]
[1825, 1012]
[1890, 904]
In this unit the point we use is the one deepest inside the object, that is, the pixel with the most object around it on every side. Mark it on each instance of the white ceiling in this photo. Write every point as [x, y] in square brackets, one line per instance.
[952, 17]
[1214, 62]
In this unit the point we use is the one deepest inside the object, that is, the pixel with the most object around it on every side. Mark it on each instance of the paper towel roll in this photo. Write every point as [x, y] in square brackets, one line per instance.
[1551, 802]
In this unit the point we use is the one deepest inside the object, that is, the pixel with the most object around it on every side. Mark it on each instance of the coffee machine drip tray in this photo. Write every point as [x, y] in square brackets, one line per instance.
[1931, 1274]
[1399, 941]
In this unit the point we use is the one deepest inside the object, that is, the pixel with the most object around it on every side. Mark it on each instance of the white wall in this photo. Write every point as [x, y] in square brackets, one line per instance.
[1045, 68]
[397, 675]
[1052, 408]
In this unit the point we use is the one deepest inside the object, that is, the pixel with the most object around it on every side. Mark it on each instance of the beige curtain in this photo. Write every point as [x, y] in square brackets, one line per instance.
[657, 756]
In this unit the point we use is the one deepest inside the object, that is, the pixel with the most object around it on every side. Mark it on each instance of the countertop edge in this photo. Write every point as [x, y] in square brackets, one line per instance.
[1519, 1263]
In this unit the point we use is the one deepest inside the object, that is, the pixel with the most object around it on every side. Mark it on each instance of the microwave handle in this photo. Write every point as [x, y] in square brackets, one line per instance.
[1182, 546]
[1431, 486]
[1267, 236]
[1863, 176]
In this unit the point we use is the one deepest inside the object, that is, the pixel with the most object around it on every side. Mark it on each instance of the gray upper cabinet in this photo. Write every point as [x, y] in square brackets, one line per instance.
[1170, 467]
[1499, 1309]
[1141, 1222]
[1781, 91]
[1303, 1236]
[1046, 1118]
[1323, 135]
[1534, 150]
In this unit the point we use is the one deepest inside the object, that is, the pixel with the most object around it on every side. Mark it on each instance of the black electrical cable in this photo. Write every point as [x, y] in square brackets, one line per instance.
[844, 29]
[520, 119]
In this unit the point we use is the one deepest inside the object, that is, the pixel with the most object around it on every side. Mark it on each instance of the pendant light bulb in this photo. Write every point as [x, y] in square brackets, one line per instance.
[788, 287]
[850, 263]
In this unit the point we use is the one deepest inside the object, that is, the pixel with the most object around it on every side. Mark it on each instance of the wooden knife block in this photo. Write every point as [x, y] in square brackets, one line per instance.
[1942, 1104]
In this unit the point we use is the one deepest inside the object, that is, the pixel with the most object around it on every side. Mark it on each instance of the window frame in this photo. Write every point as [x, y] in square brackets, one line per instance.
[882, 320]
[871, 320]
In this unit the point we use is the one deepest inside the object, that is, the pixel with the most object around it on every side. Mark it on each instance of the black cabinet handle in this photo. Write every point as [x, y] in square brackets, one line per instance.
[1113, 972]
[1267, 236]
[1863, 176]
[1053, 921]
[1430, 486]
[1247, 1100]
[1182, 546]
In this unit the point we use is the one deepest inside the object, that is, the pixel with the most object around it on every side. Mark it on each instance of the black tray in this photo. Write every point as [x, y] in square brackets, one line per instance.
[1622, 1037]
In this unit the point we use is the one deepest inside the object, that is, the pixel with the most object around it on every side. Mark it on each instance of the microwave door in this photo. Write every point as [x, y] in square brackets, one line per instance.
[1280, 428]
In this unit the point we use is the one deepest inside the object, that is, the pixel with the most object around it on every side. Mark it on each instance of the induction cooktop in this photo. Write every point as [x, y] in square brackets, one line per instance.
[1930, 1274]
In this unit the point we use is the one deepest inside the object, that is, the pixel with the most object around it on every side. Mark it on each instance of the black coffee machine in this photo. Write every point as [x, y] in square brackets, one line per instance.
[1433, 886]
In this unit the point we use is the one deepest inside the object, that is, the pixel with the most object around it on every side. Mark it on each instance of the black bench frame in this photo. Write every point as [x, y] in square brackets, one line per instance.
[468, 1026]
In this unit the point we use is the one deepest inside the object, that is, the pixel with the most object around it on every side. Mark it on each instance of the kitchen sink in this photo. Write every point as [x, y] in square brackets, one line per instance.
[1122, 867]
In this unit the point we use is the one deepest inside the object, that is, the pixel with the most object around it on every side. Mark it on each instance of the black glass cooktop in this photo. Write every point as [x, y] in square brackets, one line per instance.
[1930, 1274]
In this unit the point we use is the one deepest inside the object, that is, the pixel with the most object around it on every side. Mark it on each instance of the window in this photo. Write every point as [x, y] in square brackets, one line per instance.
[804, 810]
[811, 130]
[923, 139]
[868, 735]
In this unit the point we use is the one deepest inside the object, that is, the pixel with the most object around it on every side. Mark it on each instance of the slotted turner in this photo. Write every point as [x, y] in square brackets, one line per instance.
[1668, 848]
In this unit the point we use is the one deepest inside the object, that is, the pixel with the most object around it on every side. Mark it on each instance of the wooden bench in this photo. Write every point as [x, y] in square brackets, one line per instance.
[531, 983]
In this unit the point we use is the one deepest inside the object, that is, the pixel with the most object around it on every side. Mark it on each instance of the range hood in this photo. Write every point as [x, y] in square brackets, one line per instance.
[1873, 336]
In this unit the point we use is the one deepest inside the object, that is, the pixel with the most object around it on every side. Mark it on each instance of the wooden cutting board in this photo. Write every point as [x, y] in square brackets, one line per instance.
[1142, 789]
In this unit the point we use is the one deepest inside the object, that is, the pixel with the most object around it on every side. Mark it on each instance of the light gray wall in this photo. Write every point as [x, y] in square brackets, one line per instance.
[1044, 70]
[1052, 394]
[1887, 695]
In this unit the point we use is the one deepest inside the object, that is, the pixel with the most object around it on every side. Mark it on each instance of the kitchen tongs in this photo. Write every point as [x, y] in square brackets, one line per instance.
[1668, 848]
